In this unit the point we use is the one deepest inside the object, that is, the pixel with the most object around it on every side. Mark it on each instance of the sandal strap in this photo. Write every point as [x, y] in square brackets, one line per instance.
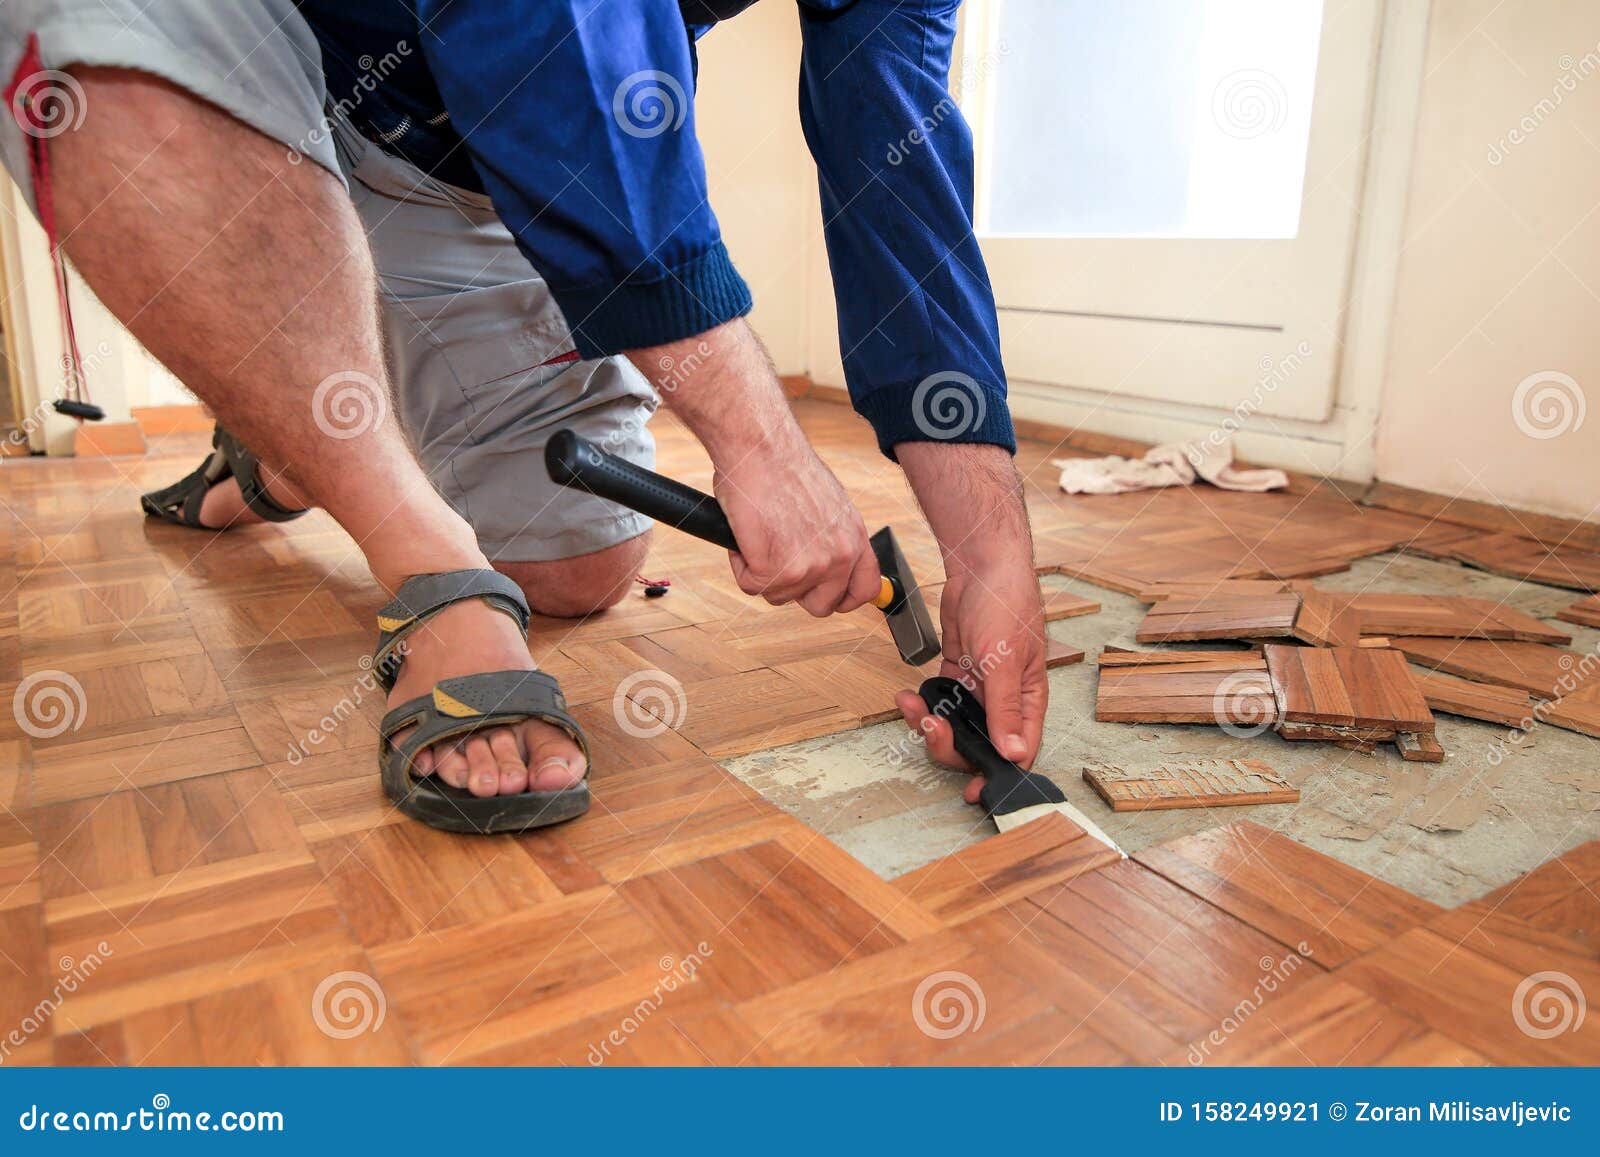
[247, 469]
[180, 503]
[425, 595]
[469, 704]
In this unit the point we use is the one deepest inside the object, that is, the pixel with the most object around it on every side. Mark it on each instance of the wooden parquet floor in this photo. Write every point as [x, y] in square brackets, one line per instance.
[197, 866]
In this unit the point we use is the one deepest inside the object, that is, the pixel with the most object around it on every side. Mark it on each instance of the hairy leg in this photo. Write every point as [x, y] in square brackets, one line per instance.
[249, 277]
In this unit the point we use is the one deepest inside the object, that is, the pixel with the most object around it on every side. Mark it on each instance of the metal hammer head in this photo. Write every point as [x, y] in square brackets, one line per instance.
[901, 603]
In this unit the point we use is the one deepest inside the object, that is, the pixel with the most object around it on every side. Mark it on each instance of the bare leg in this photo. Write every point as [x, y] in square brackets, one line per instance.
[250, 278]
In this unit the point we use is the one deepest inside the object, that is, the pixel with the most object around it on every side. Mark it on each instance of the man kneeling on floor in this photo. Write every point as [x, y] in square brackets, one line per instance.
[183, 199]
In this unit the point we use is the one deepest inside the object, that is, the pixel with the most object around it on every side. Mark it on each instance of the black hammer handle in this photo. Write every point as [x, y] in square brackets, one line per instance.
[577, 462]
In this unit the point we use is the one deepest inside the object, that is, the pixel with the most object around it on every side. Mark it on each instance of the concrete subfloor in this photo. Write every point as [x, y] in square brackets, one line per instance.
[1448, 832]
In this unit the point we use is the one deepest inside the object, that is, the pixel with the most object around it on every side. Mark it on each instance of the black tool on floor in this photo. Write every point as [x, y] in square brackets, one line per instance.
[72, 408]
[574, 461]
[1010, 795]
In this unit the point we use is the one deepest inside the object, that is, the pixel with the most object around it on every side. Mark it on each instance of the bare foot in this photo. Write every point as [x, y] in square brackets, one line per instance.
[464, 639]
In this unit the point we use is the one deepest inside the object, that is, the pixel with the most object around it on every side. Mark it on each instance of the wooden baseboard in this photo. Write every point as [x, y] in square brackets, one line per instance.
[1384, 495]
[1548, 528]
[178, 419]
[108, 440]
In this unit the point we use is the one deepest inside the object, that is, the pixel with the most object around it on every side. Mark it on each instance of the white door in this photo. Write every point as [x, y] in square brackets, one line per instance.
[1168, 194]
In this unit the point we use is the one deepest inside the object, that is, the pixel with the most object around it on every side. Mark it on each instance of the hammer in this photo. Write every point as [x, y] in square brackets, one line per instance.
[574, 461]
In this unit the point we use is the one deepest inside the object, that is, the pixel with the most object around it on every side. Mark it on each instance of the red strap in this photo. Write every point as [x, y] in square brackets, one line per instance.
[24, 95]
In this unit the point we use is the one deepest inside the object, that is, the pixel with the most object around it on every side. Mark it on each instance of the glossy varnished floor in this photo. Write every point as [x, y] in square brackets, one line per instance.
[196, 864]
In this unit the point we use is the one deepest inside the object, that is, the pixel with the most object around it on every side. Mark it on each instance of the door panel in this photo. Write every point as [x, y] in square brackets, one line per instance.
[1171, 293]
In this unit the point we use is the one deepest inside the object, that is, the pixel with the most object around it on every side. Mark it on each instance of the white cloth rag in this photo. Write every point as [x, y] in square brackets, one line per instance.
[1172, 464]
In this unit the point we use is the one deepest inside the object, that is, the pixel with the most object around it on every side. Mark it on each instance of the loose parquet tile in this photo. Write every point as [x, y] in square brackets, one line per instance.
[1579, 711]
[1381, 689]
[1419, 747]
[1450, 616]
[1325, 621]
[1060, 604]
[1059, 654]
[1526, 558]
[1002, 869]
[1485, 701]
[1584, 612]
[1548, 672]
[1226, 687]
[1436, 539]
[1159, 592]
[1288, 891]
[1224, 616]
[1195, 783]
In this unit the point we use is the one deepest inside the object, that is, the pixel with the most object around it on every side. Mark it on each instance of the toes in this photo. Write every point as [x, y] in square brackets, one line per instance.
[483, 777]
[554, 760]
[511, 759]
[450, 764]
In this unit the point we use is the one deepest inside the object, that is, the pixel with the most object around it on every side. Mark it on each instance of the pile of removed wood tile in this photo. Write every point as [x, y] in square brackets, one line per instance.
[1333, 666]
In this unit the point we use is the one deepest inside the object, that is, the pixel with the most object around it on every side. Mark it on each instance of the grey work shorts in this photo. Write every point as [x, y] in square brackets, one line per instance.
[479, 352]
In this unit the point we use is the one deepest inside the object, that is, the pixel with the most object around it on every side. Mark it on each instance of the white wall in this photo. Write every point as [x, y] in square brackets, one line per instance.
[763, 184]
[1499, 279]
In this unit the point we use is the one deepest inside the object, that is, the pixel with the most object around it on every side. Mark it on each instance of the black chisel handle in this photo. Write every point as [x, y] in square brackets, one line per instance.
[573, 460]
[1007, 787]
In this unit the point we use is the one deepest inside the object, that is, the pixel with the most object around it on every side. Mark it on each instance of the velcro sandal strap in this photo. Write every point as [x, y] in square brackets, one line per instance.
[473, 703]
[425, 595]
[246, 469]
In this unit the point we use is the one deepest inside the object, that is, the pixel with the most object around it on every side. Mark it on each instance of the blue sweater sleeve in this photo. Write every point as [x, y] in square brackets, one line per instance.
[579, 120]
[917, 325]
